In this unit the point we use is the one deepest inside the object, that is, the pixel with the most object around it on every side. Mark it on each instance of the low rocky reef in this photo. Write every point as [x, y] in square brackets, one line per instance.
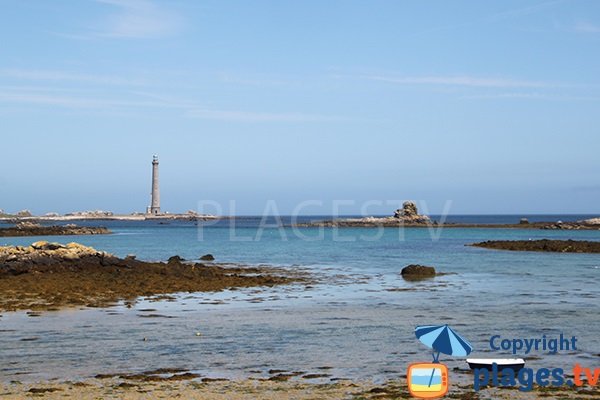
[49, 275]
[588, 224]
[33, 229]
[544, 245]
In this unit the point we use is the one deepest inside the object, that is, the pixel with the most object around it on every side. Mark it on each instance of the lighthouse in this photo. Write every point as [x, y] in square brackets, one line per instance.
[154, 207]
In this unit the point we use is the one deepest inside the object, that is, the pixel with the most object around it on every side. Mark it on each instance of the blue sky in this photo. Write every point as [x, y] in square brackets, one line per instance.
[493, 105]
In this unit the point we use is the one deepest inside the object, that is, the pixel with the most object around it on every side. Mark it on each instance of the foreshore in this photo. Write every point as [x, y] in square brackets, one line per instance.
[187, 386]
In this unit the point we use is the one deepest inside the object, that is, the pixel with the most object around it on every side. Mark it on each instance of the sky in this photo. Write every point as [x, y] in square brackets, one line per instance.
[477, 107]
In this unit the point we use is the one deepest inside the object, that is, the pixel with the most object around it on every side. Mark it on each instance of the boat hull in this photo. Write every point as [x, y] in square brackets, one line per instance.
[488, 364]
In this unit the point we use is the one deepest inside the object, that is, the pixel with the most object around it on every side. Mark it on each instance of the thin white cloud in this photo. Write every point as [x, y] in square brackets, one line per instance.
[244, 116]
[531, 96]
[139, 19]
[460, 80]
[587, 27]
[230, 78]
[42, 97]
[78, 102]
[64, 76]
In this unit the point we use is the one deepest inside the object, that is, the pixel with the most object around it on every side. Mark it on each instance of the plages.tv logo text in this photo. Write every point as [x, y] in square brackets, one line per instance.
[525, 378]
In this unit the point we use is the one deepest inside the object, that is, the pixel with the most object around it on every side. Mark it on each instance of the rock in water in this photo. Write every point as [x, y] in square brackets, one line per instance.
[175, 259]
[415, 271]
[207, 257]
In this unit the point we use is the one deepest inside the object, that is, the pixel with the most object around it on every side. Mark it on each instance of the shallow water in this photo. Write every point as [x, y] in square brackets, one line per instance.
[358, 321]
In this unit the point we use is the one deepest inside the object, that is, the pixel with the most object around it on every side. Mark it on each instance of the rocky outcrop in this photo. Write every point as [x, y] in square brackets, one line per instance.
[409, 209]
[569, 226]
[408, 215]
[33, 229]
[207, 257]
[591, 221]
[416, 271]
[18, 259]
[544, 245]
[47, 274]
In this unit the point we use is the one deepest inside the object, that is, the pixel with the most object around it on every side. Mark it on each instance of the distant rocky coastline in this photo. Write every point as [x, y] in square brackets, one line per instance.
[100, 215]
[408, 216]
[34, 229]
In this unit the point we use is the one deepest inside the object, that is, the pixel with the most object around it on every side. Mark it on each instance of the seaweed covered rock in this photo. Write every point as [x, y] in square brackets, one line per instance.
[416, 271]
[45, 275]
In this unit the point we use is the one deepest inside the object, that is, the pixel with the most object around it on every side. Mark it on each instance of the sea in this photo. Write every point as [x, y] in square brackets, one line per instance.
[356, 320]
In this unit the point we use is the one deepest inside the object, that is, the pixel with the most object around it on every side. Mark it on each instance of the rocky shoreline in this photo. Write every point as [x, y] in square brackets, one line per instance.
[543, 245]
[32, 229]
[46, 275]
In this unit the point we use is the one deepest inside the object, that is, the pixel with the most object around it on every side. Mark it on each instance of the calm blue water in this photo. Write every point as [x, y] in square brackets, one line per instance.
[358, 319]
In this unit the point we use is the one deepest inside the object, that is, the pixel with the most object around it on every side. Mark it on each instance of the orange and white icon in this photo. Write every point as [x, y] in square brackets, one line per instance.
[427, 380]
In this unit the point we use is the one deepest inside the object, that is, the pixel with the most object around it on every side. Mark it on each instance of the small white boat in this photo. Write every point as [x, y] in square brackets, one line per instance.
[502, 363]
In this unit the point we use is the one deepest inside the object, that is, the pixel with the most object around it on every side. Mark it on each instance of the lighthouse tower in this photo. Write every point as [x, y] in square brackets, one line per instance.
[154, 207]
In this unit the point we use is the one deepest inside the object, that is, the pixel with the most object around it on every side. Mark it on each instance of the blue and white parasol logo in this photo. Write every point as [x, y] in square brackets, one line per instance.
[443, 339]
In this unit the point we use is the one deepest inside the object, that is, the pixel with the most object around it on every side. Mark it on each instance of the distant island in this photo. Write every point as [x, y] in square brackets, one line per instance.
[408, 216]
